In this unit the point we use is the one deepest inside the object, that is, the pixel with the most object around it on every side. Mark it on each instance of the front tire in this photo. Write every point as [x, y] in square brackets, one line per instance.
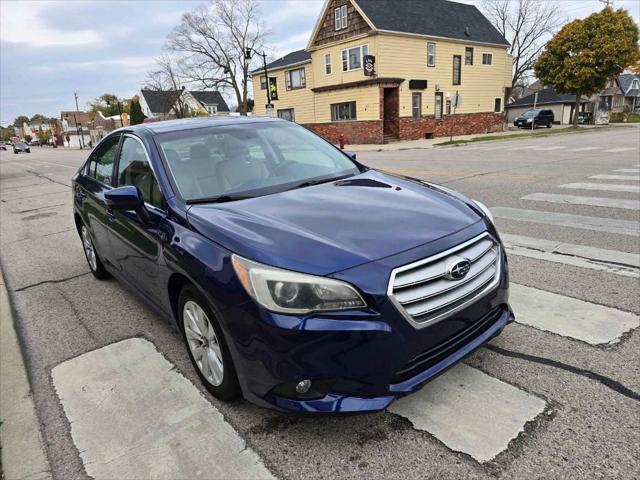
[90, 253]
[549, 125]
[207, 346]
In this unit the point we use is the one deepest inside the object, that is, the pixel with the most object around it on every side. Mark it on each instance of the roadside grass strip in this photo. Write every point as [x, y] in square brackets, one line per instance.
[609, 261]
[132, 415]
[605, 187]
[609, 225]
[570, 317]
[622, 203]
[470, 412]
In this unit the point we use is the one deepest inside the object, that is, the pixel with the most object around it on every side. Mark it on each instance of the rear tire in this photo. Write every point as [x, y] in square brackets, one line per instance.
[91, 254]
[549, 125]
[206, 345]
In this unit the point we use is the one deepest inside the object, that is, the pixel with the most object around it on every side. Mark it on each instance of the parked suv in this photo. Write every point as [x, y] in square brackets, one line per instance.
[296, 276]
[535, 116]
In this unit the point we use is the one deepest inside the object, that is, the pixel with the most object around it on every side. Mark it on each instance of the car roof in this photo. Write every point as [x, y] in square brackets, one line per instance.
[197, 122]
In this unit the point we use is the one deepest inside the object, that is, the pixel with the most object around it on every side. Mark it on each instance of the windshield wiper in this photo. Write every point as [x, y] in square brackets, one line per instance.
[310, 183]
[218, 199]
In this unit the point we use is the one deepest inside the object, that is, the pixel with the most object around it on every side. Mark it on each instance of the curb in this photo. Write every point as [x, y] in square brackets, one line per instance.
[23, 454]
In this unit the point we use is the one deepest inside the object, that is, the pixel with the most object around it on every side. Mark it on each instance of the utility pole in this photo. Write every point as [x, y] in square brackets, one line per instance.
[75, 94]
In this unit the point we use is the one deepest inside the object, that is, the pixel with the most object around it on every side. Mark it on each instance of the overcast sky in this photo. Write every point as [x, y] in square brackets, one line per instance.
[50, 49]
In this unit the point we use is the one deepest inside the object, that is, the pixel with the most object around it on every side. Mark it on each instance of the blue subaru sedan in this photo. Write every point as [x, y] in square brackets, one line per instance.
[297, 277]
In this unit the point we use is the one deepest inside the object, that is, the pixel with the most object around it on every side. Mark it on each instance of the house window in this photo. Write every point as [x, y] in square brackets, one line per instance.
[294, 79]
[457, 64]
[416, 105]
[212, 109]
[327, 64]
[287, 114]
[431, 54]
[343, 111]
[497, 105]
[352, 57]
[340, 15]
[263, 82]
[468, 56]
[487, 58]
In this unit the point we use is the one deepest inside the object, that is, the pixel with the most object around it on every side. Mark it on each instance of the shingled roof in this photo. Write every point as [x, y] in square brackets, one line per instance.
[210, 97]
[160, 101]
[436, 18]
[545, 97]
[293, 58]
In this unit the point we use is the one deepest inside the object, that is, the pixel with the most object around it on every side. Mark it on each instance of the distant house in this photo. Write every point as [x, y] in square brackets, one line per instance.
[75, 128]
[621, 91]
[162, 104]
[562, 105]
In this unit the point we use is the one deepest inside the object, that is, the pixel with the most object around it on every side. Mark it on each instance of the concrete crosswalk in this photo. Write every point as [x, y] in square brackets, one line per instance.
[629, 178]
[590, 201]
[605, 187]
[494, 146]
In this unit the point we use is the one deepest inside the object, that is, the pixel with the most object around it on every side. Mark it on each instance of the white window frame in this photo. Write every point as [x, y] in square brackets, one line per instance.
[494, 105]
[431, 62]
[289, 84]
[212, 109]
[340, 17]
[346, 58]
[328, 66]
[490, 55]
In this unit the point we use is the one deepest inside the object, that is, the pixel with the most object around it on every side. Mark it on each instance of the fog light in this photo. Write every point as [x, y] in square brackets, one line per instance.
[303, 386]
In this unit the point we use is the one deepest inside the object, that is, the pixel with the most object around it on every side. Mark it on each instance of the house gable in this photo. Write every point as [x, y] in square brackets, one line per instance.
[325, 31]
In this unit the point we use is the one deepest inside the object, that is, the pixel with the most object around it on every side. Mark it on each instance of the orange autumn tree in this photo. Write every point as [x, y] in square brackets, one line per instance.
[585, 53]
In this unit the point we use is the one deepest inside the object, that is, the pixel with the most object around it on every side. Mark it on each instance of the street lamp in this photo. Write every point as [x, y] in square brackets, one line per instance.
[247, 55]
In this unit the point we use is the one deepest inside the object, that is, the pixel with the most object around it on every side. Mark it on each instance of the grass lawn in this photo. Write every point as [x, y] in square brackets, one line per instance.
[539, 133]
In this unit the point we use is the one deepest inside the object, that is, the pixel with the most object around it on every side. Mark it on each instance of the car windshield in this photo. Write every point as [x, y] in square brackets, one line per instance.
[531, 113]
[21, 145]
[237, 161]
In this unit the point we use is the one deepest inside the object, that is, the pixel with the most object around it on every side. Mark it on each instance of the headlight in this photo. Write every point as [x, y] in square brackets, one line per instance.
[290, 292]
[484, 210]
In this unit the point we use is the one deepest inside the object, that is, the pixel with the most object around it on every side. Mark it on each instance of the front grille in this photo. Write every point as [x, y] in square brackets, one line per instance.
[441, 351]
[425, 292]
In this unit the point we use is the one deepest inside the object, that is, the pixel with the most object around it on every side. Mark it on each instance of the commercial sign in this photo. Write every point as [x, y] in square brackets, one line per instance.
[273, 88]
[369, 65]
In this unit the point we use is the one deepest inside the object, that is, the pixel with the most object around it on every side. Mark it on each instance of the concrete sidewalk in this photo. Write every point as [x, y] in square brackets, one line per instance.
[23, 455]
[424, 143]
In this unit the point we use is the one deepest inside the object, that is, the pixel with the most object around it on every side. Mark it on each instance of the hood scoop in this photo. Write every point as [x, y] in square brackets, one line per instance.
[362, 182]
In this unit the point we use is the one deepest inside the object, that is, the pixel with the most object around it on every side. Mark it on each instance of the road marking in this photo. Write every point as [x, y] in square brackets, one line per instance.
[610, 261]
[460, 408]
[570, 317]
[618, 150]
[609, 225]
[132, 415]
[546, 149]
[583, 149]
[605, 187]
[591, 201]
[631, 178]
[628, 170]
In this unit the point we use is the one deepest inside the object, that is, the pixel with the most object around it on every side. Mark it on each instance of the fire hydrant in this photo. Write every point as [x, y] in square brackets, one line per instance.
[341, 141]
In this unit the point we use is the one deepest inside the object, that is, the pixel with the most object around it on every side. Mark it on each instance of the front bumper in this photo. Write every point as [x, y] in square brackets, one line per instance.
[363, 359]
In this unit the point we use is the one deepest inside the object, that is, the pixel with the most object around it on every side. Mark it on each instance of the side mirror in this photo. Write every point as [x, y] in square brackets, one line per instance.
[351, 155]
[127, 198]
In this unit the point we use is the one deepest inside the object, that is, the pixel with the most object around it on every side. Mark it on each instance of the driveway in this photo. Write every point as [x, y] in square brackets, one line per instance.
[557, 395]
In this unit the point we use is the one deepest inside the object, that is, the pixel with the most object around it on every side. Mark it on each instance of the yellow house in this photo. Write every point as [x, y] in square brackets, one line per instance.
[379, 70]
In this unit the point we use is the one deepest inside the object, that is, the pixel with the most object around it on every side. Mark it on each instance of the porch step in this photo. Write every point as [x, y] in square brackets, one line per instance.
[389, 138]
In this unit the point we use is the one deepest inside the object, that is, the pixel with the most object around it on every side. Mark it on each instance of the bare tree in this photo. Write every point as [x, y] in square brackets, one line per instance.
[214, 38]
[169, 82]
[525, 24]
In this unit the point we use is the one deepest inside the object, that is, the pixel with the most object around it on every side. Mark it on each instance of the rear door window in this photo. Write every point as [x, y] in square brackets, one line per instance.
[101, 162]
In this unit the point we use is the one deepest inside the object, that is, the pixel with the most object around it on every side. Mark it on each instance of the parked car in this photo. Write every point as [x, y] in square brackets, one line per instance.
[21, 147]
[295, 275]
[3, 146]
[585, 118]
[537, 117]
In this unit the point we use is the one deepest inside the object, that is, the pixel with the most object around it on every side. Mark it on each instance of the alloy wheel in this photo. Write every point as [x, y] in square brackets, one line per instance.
[89, 250]
[203, 343]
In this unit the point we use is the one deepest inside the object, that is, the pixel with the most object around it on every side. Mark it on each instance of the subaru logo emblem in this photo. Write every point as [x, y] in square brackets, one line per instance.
[458, 268]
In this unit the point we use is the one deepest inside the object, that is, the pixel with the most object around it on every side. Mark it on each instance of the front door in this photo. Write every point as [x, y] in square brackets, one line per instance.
[137, 245]
[438, 106]
[391, 112]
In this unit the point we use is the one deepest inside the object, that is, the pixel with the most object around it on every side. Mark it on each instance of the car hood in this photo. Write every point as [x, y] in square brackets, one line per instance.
[330, 227]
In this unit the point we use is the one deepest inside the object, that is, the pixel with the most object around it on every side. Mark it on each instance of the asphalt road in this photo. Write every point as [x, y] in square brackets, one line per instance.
[575, 364]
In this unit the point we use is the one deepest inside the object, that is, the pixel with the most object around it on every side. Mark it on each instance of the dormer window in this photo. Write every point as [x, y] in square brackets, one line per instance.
[340, 14]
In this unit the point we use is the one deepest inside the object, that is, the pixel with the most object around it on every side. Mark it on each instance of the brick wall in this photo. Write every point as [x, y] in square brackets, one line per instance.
[460, 124]
[356, 132]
